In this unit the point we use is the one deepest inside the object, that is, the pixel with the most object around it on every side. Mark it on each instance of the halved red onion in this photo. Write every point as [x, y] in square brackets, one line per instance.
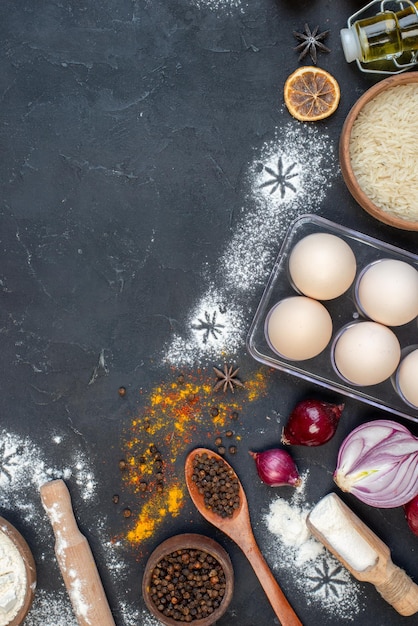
[378, 463]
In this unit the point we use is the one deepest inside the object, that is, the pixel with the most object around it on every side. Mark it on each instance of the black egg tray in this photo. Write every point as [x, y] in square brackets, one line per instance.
[343, 310]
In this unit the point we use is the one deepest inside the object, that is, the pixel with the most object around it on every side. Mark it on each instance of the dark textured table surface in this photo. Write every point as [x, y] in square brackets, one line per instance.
[136, 239]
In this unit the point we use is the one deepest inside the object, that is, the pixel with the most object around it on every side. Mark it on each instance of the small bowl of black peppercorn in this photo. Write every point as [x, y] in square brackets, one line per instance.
[188, 579]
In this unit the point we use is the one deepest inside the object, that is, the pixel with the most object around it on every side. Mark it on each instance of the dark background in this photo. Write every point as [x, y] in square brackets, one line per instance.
[126, 131]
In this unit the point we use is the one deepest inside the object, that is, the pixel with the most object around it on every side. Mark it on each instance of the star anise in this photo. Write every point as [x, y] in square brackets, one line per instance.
[311, 42]
[227, 378]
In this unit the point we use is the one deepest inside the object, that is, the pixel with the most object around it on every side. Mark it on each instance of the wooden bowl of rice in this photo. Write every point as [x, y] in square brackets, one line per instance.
[379, 151]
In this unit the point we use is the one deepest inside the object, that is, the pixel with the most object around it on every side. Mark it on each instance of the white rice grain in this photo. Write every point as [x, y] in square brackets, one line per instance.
[384, 151]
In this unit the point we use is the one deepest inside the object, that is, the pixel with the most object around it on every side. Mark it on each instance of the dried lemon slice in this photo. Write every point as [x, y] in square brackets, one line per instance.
[311, 94]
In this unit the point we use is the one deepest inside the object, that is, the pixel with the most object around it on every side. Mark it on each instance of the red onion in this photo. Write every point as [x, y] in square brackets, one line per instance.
[312, 423]
[378, 463]
[411, 513]
[276, 468]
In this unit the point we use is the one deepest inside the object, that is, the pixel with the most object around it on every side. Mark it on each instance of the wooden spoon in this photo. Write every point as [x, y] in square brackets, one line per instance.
[238, 528]
[362, 552]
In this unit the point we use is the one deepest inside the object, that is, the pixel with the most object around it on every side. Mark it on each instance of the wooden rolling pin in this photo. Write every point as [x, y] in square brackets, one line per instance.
[75, 558]
[365, 556]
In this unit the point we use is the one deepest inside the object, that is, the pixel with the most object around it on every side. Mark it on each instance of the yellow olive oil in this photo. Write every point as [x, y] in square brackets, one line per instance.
[386, 35]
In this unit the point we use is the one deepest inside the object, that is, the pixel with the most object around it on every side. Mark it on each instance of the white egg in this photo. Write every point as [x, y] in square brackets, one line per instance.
[407, 378]
[366, 353]
[298, 328]
[322, 266]
[387, 292]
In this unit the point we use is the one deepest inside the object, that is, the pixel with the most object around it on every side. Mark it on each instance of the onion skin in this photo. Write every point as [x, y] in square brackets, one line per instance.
[411, 514]
[276, 468]
[378, 463]
[312, 423]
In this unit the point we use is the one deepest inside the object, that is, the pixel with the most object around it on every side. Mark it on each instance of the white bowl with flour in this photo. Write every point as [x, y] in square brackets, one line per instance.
[17, 575]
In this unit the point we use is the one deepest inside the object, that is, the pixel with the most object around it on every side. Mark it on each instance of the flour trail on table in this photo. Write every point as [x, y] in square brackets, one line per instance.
[134, 617]
[287, 177]
[24, 468]
[220, 5]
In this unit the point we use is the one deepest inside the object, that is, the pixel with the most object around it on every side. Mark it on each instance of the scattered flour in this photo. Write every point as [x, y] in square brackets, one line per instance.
[134, 617]
[54, 609]
[289, 522]
[288, 176]
[213, 327]
[216, 5]
[325, 582]
[76, 591]
[51, 609]
[23, 465]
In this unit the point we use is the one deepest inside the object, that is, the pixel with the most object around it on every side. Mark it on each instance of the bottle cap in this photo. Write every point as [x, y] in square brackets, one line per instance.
[351, 44]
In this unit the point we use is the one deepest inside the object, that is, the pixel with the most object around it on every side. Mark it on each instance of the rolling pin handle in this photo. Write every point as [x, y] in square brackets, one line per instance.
[399, 591]
[75, 558]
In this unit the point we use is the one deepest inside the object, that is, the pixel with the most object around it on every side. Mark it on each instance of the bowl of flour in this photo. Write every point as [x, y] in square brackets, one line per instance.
[17, 575]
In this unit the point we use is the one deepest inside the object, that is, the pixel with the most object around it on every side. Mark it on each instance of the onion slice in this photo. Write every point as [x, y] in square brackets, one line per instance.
[378, 463]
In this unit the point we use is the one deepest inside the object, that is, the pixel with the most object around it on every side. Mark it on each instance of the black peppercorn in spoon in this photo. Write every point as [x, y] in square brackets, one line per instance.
[235, 523]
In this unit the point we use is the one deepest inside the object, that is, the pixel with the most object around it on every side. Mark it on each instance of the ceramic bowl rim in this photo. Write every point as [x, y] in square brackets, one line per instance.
[344, 153]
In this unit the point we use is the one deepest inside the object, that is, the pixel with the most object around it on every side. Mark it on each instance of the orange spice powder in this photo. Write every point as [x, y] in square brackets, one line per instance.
[176, 415]
[154, 511]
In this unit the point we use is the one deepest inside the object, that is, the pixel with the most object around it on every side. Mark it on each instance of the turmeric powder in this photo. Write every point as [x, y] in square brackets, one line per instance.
[177, 414]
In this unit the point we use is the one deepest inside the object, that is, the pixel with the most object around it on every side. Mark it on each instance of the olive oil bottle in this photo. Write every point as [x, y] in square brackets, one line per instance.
[386, 35]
